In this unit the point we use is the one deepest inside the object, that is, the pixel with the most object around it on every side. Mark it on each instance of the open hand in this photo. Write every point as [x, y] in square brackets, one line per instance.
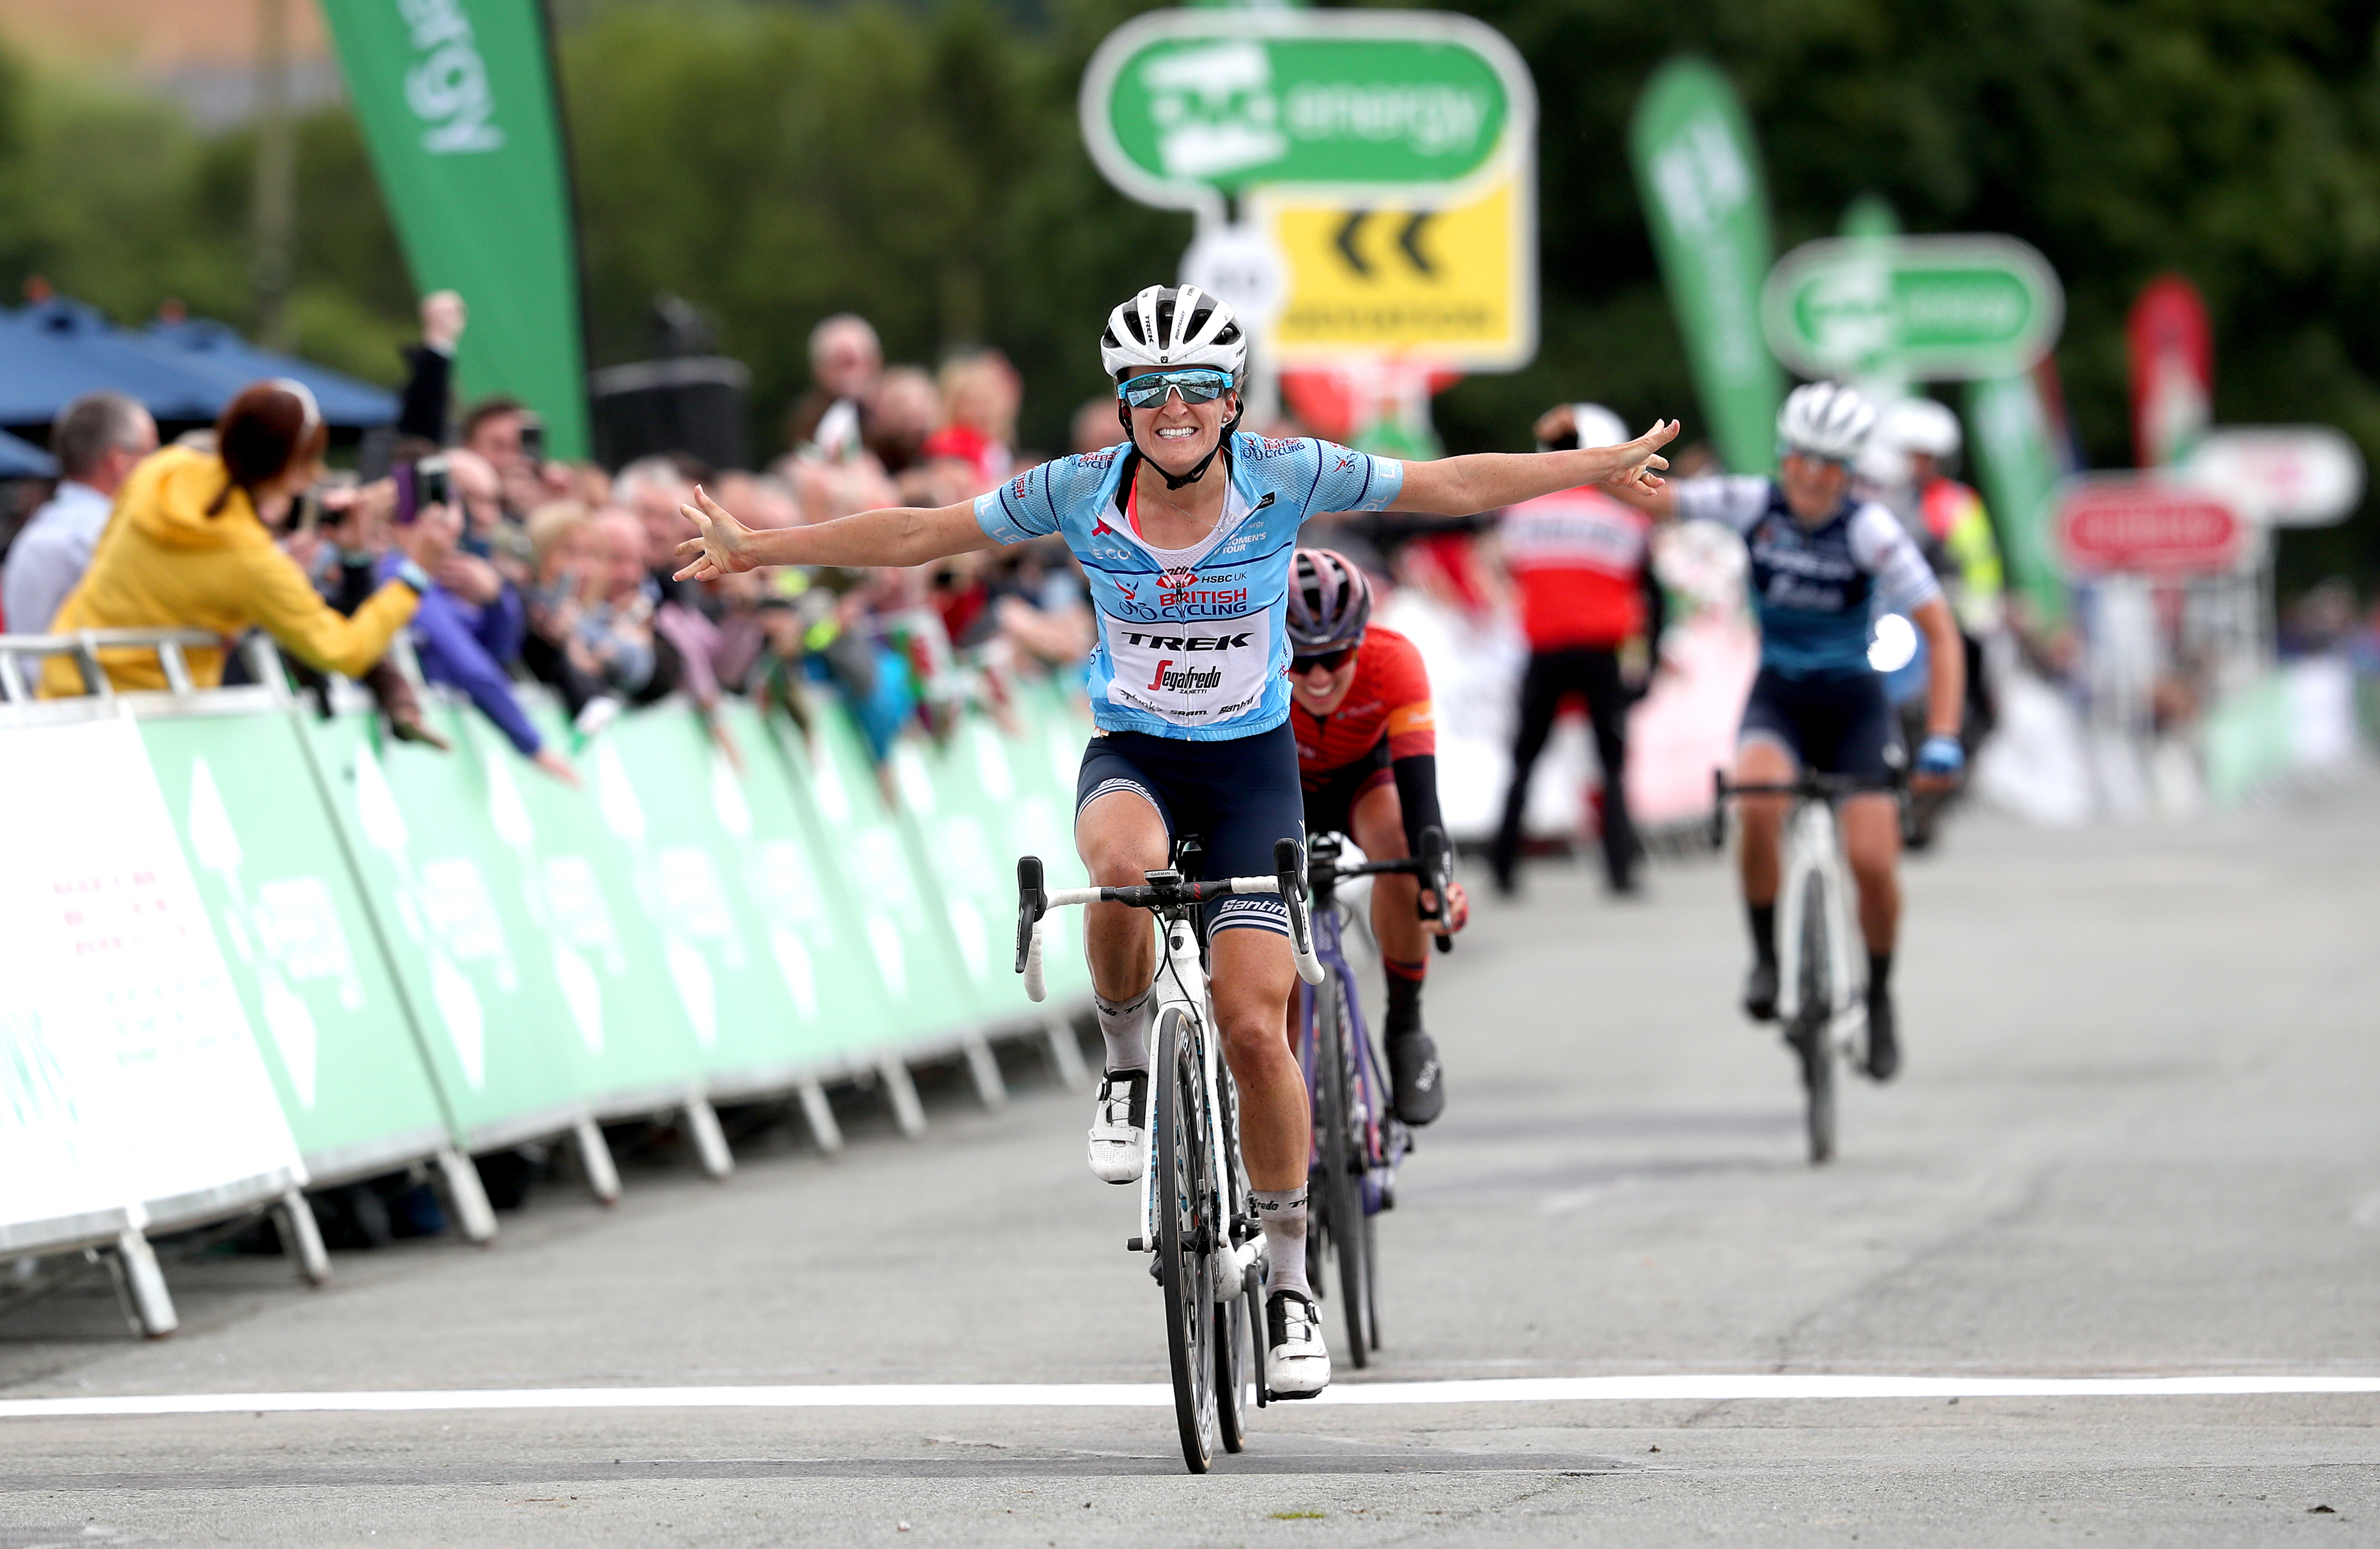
[1634, 465]
[725, 546]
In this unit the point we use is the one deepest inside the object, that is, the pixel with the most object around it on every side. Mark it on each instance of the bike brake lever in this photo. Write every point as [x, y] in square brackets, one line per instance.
[1032, 903]
[1289, 871]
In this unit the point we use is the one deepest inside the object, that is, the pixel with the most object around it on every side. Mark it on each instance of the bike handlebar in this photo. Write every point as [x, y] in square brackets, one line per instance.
[1162, 890]
[1807, 786]
[1434, 867]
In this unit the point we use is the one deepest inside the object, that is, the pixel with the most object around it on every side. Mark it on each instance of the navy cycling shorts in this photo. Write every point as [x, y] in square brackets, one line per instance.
[1841, 726]
[1237, 797]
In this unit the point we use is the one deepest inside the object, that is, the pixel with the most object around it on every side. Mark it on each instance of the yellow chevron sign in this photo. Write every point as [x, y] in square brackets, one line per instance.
[1449, 284]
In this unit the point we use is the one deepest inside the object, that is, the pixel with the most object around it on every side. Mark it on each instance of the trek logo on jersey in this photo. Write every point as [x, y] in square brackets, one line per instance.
[1189, 680]
[1188, 642]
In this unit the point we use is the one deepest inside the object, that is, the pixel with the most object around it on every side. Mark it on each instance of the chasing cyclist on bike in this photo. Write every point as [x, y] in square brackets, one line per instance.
[1367, 756]
[1186, 530]
[1820, 565]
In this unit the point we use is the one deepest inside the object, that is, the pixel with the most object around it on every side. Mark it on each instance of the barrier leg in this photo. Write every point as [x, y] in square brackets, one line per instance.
[984, 1066]
[1066, 1056]
[144, 1286]
[710, 1140]
[902, 1092]
[596, 1157]
[819, 1114]
[459, 1181]
[301, 1238]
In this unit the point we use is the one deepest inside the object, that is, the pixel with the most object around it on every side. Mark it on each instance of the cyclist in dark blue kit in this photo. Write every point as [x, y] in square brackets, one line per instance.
[1186, 530]
[1821, 563]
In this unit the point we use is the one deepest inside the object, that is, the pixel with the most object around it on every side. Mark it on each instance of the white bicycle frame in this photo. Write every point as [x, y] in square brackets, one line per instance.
[1182, 983]
[1812, 846]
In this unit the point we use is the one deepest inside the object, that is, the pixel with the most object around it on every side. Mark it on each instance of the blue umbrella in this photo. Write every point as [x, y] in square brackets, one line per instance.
[55, 351]
[214, 348]
[22, 459]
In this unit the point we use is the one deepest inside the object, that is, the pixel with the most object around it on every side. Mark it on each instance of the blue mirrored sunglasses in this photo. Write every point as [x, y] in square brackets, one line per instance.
[1195, 387]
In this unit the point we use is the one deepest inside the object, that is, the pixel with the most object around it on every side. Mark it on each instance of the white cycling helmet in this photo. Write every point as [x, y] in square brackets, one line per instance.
[1168, 327]
[1598, 426]
[1923, 425]
[1826, 419]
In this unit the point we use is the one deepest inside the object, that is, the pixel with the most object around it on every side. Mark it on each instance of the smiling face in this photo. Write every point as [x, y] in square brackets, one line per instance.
[1174, 435]
[1320, 689]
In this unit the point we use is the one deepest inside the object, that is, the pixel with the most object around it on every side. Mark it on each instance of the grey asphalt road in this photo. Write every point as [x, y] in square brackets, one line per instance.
[2135, 1136]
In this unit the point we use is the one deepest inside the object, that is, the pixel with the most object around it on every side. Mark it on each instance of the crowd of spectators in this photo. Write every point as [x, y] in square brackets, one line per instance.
[500, 566]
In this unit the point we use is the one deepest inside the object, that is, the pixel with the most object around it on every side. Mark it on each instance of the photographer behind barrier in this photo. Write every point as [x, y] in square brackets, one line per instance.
[189, 547]
[460, 643]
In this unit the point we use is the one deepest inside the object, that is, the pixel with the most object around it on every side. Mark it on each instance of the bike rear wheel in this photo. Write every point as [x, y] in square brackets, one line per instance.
[1813, 1019]
[1335, 1191]
[1186, 1231]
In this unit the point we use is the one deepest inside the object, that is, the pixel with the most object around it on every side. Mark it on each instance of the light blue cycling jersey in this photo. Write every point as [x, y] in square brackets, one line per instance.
[1193, 643]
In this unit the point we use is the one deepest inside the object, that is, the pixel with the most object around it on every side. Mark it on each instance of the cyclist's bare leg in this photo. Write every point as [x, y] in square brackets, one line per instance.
[1378, 819]
[1120, 839]
[1761, 819]
[1872, 845]
[1253, 976]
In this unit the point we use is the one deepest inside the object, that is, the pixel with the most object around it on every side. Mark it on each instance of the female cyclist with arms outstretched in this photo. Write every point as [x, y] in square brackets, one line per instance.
[1186, 530]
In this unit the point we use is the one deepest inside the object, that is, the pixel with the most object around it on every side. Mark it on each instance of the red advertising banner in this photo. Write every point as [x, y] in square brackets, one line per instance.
[2131, 525]
[2173, 371]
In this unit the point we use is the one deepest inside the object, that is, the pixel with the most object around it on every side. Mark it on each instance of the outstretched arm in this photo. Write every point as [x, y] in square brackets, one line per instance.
[900, 535]
[1486, 481]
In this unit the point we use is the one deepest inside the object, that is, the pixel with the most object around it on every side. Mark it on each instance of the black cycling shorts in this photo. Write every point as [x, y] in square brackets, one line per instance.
[1841, 726]
[1237, 797]
[1330, 803]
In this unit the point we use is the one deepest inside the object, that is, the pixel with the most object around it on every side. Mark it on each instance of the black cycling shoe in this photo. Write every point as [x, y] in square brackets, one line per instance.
[1419, 1080]
[1883, 1046]
[1760, 992]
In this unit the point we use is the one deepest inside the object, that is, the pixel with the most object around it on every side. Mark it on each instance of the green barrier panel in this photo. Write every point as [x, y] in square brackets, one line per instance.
[798, 897]
[300, 942]
[631, 985]
[928, 994]
[717, 887]
[466, 930]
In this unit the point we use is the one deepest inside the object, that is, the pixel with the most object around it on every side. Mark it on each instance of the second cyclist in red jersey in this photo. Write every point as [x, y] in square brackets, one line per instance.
[1367, 757]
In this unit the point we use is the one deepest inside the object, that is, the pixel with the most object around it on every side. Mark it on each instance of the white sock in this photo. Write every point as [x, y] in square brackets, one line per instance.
[1281, 1213]
[1125, 1028]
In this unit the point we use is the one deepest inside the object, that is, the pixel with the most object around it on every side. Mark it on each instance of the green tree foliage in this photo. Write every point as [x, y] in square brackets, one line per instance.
[772, 162]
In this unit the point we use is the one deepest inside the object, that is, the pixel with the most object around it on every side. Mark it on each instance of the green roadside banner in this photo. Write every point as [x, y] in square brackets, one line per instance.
[458, 107]
[801, 903]
[639, 997]
[1698, 173]
[928, 996]
[2019, 463]
[463, 926]
[1935, 308]
[300, 942]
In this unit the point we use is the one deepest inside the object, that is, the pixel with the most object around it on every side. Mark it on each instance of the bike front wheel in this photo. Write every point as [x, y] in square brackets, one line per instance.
[1186, 1231]
[1335, 1188]
[1813, 1019]
[1234, 1331]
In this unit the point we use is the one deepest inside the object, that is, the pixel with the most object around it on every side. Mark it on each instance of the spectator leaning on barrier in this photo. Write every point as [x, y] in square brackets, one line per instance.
[1581, 563]
[458, 642]
[190, 549]
[98, 441]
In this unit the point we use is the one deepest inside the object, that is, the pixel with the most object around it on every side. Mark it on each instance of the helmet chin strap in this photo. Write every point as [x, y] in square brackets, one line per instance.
[1222, 440]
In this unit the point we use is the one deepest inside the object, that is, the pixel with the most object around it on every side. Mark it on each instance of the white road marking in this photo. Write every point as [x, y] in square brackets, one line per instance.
[1487, 1390]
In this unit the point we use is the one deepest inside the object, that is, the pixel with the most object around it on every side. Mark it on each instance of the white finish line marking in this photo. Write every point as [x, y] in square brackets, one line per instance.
[1498, 1390]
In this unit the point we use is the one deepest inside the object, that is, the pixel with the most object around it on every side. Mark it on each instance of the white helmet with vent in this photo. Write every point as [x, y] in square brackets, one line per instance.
[1923, 425]
[1170, 327]
[1826, 419]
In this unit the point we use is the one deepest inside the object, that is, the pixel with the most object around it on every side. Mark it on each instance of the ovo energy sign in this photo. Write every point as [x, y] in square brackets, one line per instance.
[1937, 307]
[1387, 157]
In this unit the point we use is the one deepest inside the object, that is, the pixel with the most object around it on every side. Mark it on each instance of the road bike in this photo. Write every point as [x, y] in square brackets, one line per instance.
[1357, 1141]
[1821, 977]
[1196, 1219]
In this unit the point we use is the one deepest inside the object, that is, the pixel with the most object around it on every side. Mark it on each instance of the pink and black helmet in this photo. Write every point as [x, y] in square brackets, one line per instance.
[1330, 601]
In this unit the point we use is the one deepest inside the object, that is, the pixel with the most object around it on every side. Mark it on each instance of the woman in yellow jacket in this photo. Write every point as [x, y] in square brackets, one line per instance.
[188, 549]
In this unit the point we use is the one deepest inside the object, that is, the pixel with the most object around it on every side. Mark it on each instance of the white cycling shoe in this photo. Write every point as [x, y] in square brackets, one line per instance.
[1120, 1127]
[1297, 1364]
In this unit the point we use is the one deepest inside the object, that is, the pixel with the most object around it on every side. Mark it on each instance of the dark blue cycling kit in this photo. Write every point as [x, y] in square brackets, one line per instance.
[1816, 590]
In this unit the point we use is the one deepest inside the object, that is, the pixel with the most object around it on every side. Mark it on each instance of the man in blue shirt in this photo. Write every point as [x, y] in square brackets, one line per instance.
[1186, 530]
[98, 441]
